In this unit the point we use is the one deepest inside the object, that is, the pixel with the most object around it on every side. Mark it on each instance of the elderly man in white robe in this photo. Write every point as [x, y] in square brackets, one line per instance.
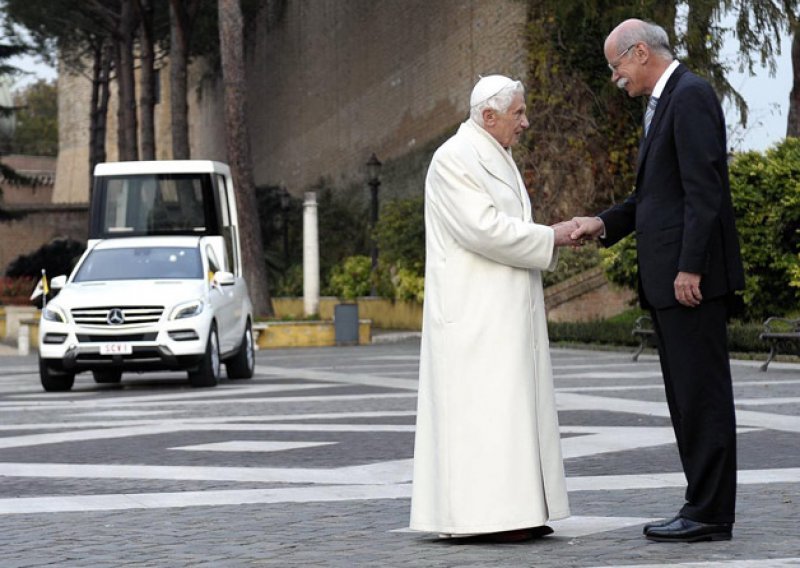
[487, 458]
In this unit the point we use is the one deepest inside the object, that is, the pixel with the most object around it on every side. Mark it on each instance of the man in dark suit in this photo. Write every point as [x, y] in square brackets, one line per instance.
[689, 266]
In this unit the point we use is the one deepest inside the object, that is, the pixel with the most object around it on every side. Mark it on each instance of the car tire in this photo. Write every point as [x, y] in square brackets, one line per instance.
[103, 377]
[207, 372]
[55, 381]
[243, 364]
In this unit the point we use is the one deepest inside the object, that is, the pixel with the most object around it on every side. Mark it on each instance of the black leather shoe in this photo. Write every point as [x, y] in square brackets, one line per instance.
[687, 530]
[661, 523]
[506, 537]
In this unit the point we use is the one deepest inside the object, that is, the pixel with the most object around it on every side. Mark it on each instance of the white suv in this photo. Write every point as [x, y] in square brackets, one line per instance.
[147, 303]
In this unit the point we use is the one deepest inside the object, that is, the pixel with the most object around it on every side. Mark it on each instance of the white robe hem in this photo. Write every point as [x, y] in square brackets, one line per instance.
[484, 529]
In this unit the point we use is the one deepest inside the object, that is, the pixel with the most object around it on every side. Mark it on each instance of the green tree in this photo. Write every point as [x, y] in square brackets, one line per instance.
[584, 134]
[9, 47]
[36, 131]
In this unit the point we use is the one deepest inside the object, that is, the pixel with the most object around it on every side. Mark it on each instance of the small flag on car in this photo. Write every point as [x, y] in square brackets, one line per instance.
[41, 287]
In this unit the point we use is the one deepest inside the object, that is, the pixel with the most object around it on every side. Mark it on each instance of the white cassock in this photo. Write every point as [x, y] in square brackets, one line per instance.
[487, 455]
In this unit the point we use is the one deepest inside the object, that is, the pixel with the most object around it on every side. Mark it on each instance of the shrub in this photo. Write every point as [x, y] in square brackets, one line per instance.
[766, 191]
[16, 289]
[408, 286]
[766, 199]
[742, 337]
[571, 262]
[619, 263]
[290, 283]
[400, 234]
[352, 278]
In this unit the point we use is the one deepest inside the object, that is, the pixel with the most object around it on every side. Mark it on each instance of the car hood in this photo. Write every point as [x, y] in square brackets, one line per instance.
[130, 293]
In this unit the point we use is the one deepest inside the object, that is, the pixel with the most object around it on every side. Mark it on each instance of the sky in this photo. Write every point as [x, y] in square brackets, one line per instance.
[767, 97]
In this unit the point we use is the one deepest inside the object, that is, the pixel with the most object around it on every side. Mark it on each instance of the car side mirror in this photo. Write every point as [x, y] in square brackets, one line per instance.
[223, 278]
[58, 282]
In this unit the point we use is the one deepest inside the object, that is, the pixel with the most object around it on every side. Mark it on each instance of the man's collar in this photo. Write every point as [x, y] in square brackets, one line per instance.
[662, 81]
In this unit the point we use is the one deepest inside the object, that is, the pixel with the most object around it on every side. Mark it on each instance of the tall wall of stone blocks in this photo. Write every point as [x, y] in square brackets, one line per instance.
[35, 226]
[330, 82]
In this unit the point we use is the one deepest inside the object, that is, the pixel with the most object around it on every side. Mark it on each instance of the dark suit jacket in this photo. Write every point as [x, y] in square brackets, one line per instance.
[681, 205]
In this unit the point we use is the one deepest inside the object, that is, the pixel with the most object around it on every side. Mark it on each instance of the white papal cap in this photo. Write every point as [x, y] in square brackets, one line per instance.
[487, 87]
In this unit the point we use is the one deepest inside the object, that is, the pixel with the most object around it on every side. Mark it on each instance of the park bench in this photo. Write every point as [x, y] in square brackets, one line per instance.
[782, 335]
[644, 332]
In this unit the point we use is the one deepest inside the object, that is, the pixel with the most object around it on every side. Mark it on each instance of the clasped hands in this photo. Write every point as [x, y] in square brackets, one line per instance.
[576, 231]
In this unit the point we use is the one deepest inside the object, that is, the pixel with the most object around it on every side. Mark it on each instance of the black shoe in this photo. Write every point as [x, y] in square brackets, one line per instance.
[687, 530]
[506, 537]
[539, 532]
[661, 523]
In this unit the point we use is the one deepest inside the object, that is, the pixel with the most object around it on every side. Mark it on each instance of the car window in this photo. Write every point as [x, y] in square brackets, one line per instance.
[155, 204]
[141, 263]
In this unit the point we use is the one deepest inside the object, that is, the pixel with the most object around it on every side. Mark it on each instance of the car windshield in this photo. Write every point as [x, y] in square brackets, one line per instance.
[155, 204]
[141, 263]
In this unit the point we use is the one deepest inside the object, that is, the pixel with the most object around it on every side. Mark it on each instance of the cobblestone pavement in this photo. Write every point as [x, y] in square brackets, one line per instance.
[309, 464]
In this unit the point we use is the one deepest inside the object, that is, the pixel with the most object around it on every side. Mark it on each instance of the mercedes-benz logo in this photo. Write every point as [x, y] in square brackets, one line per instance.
[115, 317]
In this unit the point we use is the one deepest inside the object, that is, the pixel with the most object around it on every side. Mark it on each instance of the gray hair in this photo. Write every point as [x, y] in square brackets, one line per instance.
[499, 102]
[648, 33]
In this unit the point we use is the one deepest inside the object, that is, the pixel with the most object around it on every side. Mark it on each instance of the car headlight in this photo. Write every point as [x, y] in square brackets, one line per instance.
[54, 313]
[187, 310]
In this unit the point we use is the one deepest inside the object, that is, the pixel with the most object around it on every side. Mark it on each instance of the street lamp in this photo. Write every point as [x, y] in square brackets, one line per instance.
[374, 182]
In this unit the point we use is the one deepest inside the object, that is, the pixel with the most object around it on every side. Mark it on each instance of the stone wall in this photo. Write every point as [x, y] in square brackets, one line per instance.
[345, 79]
[39, 172]
[330, 82]
[35, 226]
[586, 296]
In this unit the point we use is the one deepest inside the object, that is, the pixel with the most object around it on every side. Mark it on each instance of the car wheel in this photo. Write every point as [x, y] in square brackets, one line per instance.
[207, 373]
[243, 364]
[107, 376]
[55, 381]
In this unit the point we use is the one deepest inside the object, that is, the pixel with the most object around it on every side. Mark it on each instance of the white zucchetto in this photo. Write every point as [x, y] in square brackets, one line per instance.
[487, 87]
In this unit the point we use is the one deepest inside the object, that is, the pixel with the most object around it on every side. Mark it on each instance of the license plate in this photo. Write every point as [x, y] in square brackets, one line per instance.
[116, 349]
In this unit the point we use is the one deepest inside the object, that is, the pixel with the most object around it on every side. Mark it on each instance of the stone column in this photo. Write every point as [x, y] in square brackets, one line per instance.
[310, 255]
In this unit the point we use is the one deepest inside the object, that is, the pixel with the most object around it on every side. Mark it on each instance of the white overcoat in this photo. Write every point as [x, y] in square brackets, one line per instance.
[487, 454]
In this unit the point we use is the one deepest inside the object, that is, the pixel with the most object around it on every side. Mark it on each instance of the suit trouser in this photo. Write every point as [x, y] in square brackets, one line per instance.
[693, 351]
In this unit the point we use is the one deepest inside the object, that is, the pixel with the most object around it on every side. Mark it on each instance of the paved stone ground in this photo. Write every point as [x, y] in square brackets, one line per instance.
[309, 464]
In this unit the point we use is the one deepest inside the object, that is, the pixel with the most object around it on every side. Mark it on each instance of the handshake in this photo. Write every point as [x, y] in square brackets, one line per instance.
[575, 232]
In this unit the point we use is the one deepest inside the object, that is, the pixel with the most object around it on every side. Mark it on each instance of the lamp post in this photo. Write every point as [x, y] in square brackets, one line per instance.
[374, 182]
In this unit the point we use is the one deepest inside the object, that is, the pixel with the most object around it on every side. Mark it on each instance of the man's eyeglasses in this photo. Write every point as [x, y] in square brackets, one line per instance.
[618, 60]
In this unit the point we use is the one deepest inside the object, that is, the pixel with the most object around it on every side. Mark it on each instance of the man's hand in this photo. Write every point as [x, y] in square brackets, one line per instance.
[563, 230]
[587, 228]
[687, 289]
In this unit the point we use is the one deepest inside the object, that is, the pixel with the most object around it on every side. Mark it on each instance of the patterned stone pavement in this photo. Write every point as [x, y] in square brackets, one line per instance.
[309, 464]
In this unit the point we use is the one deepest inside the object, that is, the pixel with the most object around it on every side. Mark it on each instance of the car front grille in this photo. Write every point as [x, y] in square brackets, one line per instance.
[139, 354]
[92, 338]
[131, 316]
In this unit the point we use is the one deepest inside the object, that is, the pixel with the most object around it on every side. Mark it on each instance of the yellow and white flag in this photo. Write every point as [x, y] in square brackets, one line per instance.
[41, 287]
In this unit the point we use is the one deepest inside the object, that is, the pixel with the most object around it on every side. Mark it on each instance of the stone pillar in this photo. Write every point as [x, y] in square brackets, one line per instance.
[310, 255]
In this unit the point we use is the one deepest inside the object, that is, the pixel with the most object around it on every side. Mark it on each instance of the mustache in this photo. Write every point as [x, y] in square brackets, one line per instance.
[622, 83]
